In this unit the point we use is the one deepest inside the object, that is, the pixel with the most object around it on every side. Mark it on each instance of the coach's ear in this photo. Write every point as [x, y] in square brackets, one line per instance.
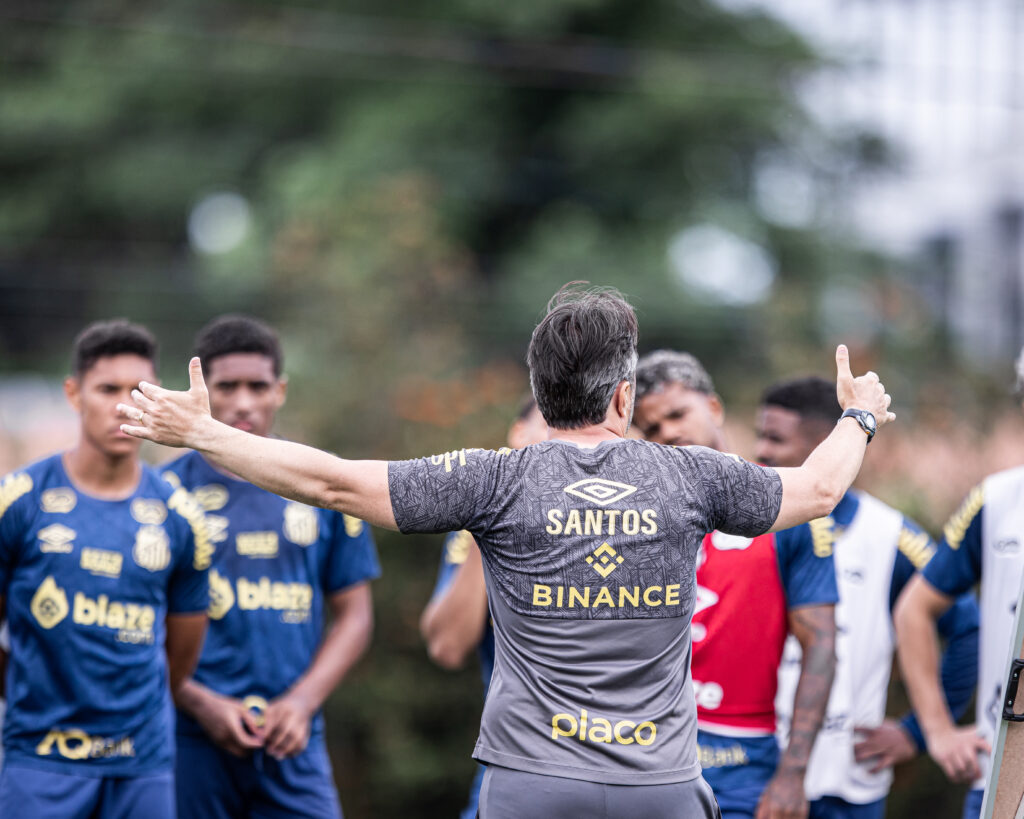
[621, 408]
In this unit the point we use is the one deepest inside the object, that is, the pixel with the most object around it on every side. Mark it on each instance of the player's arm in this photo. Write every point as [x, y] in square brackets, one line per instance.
[288, 718]
[295, 471]
[952, 571]
[815, 629]
[807, 572]
[454, 620]
[226, 721]
[896, 741]
[812, 490]
[954, 749]
[184, 641]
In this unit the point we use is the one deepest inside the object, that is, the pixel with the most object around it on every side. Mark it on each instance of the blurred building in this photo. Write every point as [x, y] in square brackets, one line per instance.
[942, 82]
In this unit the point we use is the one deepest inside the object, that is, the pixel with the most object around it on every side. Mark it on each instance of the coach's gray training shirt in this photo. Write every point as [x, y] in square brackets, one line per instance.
[589, 556]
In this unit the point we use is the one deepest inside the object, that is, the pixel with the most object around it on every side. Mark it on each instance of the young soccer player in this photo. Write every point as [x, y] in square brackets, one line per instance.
[250, 732]
[103, 573]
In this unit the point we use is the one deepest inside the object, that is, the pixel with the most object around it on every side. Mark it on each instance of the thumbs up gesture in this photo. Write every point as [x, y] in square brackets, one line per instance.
[864, 392]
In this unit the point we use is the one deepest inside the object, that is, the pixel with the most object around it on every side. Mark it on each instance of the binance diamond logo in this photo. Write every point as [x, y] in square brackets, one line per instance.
[604, 560]
[600, 491]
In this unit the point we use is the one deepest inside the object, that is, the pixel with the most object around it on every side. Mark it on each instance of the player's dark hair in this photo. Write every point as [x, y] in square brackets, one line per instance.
[230, 334]
[103, 339]
[662, 367]
[812, 398]
[580, 352]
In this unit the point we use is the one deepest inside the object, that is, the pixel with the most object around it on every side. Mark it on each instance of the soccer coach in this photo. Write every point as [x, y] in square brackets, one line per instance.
[589, 541]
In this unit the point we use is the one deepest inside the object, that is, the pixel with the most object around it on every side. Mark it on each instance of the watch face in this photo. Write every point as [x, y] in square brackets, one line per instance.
[869, 421]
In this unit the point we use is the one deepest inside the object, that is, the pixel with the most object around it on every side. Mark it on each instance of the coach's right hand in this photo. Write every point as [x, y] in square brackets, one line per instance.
[956, 750]
[864, 392]
[170, 417]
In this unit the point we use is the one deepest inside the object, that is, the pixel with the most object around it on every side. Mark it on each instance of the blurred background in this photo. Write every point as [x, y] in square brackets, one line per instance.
[399, 187]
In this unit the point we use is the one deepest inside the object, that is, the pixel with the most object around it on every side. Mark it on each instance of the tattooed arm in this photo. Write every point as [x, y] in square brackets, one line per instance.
[815, 628]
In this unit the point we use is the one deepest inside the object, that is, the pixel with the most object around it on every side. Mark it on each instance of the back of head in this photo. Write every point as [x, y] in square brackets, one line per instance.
[812, 398]
[580, 352]
[102, 339]
[230, 334]
[662, 367]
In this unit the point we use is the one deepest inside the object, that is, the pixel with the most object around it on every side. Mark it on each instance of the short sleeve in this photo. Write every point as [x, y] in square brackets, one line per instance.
[351, 555]
[443, 493]
[806, 565]
[914, 550]
[741, 498]
[956, 565]
[188, 591]
[12, 488]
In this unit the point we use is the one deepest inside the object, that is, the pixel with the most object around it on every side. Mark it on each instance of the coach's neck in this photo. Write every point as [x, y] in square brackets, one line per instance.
[617, 419]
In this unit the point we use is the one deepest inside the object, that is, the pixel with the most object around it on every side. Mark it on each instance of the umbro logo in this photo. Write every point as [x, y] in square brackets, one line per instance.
[600, 491]
[56, 538]
[1007, 545]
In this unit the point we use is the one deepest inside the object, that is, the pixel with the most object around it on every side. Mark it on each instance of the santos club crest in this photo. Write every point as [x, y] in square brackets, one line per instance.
[301, 524]
[152, 548]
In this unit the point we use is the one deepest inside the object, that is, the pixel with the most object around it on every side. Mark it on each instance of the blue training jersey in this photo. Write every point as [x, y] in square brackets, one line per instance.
[88, 584]
[456, 547]
[275, 561]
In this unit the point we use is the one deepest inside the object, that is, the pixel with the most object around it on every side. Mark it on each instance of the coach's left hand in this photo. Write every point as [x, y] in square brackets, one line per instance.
[286, 726]
[784, 797]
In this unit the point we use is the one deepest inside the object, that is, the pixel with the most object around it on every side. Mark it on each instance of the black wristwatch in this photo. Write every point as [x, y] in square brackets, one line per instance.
[865, 419]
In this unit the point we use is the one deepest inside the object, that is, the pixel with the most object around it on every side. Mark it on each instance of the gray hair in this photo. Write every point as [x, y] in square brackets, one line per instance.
[580, 352]
[662, 367]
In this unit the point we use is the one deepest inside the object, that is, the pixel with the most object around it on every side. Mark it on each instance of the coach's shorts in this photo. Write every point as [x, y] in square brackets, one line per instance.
[469, 812]
[832, 807]
[737, 769]
[508, 794]
[52, 795]
[213, 784]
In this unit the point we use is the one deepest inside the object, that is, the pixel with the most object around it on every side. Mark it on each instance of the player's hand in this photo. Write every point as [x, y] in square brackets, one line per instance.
[784, 797]
[956, 750]
[229, 724]
[169, 417]
[884, 746]
[865, 392]
[287, 725]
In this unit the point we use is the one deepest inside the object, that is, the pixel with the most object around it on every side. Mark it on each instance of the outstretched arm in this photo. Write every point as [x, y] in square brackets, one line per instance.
[295, 471]
[812, 490]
